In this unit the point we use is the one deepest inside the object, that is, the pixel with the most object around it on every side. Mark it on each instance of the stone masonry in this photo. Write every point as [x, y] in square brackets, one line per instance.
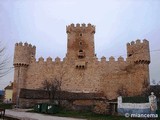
[80, 70]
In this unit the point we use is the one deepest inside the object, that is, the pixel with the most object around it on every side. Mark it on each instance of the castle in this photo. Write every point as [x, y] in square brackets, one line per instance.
[80, 70]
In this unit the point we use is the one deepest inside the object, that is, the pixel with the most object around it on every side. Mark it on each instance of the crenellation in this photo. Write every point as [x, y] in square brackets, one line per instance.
[49, 59]
[139, 52]
[128, 44]
[57, 59]
[30, 45]
[83, 70]
[78, 25]
[138, 41]
[26, 44]
[111, 59]
[20, 44]
[89, 25]
[72, 25]
[132, 43]
[120, 59]
[24, 53]
[83, 25]
[34, 47]
[41, 59]
[103, 58]
[64, 59]
[16, 44]
[145, 41]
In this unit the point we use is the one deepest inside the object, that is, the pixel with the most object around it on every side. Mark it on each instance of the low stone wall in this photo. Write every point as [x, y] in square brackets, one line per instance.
[62, 95]
[96, 106]
[29, 103]
[94, 102]
[137, 108]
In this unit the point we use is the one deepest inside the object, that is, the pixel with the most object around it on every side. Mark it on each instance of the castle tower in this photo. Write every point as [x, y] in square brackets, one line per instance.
[23, 55]
[138, 54]
[80, 43]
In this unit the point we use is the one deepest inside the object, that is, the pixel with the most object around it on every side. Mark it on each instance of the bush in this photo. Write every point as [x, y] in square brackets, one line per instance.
[6, 106]
[136, 99]
[158, 105]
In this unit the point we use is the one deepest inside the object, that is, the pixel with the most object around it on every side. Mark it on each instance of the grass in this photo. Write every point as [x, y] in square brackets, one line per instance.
[6, 106]
[86, 115]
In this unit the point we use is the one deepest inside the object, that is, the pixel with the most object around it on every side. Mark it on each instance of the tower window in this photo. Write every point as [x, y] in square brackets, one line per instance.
[81, 54]
[80, 43]
[80, 34]
[80, 50]
[129, 55]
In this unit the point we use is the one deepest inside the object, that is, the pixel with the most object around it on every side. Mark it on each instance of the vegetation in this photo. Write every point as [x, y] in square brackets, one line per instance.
[4, 60]
[135, 99]
[85, 115]
[158, 104]
[152, 88]
[52, 86]
[88, 115]
[6, 106]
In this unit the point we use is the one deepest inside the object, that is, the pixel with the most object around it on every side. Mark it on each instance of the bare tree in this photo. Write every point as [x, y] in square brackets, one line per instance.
[154, 82]
[158, 83]
[52, 86]
[4, 60]
[152, 88]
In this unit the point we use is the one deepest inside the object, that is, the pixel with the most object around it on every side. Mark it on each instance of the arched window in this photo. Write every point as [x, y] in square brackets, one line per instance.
[80, 50]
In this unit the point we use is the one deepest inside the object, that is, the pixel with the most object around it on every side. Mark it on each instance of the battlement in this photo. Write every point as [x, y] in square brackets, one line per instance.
[25, 45]
[49, 60]
[138, 51]
[80, 27]
[112, 59]
[24, 53]
[137, 42]
[103, 59]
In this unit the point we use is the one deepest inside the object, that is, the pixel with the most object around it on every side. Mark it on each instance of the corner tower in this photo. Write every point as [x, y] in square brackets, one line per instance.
[138, 52]
[80, 43]
[138, 55]
[23, 55]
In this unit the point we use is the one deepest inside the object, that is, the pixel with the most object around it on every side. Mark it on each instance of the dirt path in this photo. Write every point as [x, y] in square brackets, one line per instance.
[22, 115]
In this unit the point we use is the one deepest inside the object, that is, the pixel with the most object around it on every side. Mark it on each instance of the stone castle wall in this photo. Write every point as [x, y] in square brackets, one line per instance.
[80, 70]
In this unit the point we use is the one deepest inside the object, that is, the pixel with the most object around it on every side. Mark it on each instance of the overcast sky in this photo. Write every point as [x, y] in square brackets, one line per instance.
[43, 24]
